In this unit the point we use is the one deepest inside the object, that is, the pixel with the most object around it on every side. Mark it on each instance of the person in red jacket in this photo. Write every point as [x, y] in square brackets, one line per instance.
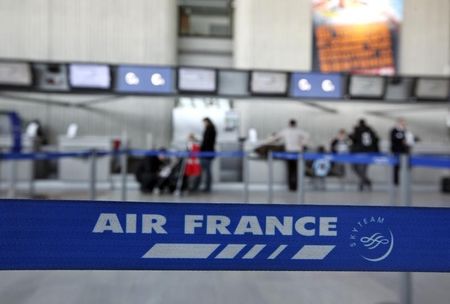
[193, 168]
[208, 145]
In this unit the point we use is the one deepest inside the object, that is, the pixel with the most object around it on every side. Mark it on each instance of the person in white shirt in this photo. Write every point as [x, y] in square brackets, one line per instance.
[294, 140]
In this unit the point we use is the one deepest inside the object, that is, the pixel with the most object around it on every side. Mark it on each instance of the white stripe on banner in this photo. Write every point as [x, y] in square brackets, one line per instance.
[230, 251]
[252, 253]
[180, 251]
[277, 252]
[313, 252]
[203, 251]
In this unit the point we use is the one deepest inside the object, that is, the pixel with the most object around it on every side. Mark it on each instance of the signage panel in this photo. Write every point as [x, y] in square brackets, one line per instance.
[315, 85]
[190, 236]
[140, 79]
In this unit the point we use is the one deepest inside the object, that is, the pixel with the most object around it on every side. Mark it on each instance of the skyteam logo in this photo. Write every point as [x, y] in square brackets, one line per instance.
[372, 238]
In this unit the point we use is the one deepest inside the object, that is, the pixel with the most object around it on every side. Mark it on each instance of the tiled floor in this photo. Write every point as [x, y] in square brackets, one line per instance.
[225, 287]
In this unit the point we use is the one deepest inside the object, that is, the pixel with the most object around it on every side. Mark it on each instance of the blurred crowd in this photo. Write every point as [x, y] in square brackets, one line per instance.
[165, 174]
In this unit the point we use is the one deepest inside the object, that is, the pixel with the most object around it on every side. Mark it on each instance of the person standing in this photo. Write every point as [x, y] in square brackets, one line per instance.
[208, 145]
[340, 145]
[320, 168]
[401, 143]
[364, 140]
[294, 140]
[193, 168]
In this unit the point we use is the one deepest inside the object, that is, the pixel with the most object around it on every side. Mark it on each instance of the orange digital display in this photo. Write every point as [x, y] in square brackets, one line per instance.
[347, 48]
[358, 36]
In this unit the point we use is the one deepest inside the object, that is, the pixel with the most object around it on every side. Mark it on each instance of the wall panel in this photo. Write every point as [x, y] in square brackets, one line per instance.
[425, 39]
[113, 31]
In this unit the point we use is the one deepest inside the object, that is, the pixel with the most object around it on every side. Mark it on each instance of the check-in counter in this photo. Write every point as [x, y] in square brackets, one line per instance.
[79, 169]
[259, 171]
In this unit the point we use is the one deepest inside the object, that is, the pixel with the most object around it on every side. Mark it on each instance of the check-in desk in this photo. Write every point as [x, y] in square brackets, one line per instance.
[79, 169]
[259, 171]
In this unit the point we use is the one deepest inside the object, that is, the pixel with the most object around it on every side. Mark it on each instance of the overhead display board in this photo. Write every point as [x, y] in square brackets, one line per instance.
[15, 74]
[233, 83]
[197, 80]
[94, 76]
[51, 76]
[187, 81]
[269, 83]
[432, 88]
[144, 79]
[366, 86]
[316, 85]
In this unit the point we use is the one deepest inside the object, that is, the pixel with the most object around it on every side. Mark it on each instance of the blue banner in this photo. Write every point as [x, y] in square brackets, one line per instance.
[189, 236]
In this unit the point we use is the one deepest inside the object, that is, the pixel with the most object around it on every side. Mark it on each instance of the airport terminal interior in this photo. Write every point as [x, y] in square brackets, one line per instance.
[262, 103]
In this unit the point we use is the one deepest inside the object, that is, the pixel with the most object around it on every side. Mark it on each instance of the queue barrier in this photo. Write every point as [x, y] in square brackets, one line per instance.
[54, 155]
[44, 155]
[433, 161]
[43, 235]
[349, 158]
[408, 239]
[436, 161]
[185, 154]
[91, 155]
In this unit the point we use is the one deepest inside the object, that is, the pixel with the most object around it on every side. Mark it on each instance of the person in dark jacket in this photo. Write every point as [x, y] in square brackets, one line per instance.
[401, 142]
[208, 145]
[147, 172]
[364, 140]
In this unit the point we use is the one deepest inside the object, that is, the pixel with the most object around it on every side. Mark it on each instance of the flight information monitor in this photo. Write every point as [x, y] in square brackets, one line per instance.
[197, 80]
[91, 76]
[15, 74]
[140, 79]
[399, 88]
[366, 86]
[51, 76]
[432, 88]
[269, 83]
[233, 83]
[316, 85]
